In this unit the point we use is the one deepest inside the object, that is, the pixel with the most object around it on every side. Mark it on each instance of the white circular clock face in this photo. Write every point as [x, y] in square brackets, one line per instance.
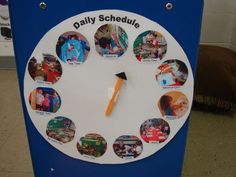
[108, 87]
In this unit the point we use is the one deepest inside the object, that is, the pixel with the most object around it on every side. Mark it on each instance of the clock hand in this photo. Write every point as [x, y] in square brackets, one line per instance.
[120, 77]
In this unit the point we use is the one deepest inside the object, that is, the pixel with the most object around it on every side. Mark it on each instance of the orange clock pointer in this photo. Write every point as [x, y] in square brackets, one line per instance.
[120, 77]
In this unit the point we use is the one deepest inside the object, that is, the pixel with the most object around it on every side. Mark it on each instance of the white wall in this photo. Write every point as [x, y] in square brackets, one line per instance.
[6, 48]
[219, 26]
[233, 35]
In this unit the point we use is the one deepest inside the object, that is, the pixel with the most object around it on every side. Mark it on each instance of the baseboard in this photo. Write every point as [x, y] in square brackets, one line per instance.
[7, 62]
[226, 45]
[233, 47]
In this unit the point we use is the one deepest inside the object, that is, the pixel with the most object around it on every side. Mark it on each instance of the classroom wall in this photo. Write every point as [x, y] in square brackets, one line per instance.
[233, 38]
[219, 26]
[6, 48]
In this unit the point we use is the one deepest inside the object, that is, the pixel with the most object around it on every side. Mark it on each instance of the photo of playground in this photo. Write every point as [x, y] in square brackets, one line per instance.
[61, 129]
[47, 68]
[93, 145]
[72, 48]
[155, 131]
[111, 41]
[172, 73]
[150, 46]
[45, 99]
[173, 105]
[128, 147]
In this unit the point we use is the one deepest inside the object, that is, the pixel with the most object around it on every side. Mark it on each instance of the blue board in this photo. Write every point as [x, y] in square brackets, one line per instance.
[30, 23]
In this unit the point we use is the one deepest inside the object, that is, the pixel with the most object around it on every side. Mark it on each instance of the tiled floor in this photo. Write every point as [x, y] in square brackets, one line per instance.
[210, 152]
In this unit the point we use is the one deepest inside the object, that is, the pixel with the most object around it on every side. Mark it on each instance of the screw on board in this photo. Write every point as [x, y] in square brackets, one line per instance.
[169, 6]
[42, 5]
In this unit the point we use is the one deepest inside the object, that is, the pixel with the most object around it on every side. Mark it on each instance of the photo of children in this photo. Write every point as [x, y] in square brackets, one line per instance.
[150, 46]
[111, 41]
[47, 69]
[61, 129]
[93, 145]
[128, 147]
[155, 131]
[72, 48]
[173, 105]
[45, 99]
[172, 73]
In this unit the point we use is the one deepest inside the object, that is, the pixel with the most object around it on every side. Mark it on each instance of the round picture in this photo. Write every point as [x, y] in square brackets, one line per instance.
[47, 69]
[128, 147]
[173, 105]
[92, 145]
[155, 131]
[45, 99]
[111, 41]
[150, 46]
[61, 129]
[72, 48]
[172, 73]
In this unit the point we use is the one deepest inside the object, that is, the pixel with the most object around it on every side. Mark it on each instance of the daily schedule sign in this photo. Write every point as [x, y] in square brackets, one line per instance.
[106, 87]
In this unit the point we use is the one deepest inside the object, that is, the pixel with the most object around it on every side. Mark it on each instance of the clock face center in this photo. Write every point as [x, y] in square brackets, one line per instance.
[122, 75]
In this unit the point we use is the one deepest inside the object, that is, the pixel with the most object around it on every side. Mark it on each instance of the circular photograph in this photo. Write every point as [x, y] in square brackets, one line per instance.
[92, 145]
[172, 73]
[111, 41]
[61, 129]
[72, 48]
[150, 46]
[155, 131]
[173, 105]
[128, 147]
[47, 69]
[45, 99]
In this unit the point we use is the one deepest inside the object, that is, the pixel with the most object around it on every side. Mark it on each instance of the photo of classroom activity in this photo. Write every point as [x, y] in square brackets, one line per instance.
[150, 46]
[128, 147]
[155, 131]
[111, 41]
[92, 145]
[45, 99]
[47, 68]
[72, 48]
[173, 105]
[61, 129]
[172, 73]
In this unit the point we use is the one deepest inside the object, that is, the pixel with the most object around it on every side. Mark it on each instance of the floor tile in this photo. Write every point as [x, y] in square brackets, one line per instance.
[10, 104]
[15, 174]
[14, 154]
